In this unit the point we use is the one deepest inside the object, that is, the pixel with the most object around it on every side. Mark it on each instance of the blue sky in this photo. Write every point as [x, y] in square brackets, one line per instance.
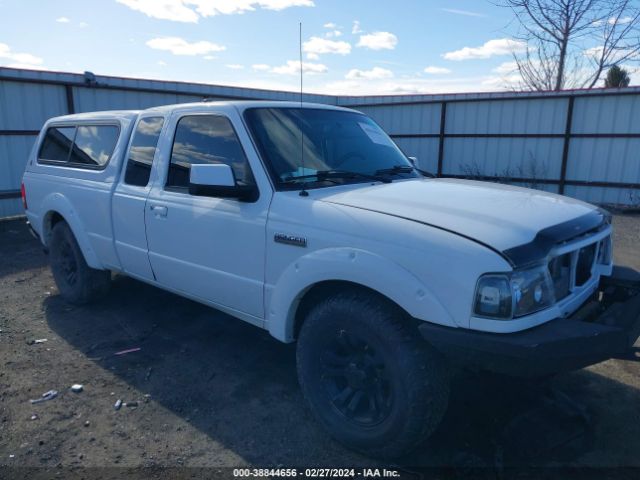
[351, 46]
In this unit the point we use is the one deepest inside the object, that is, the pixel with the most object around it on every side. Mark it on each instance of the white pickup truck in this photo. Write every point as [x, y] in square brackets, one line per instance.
[309, 222]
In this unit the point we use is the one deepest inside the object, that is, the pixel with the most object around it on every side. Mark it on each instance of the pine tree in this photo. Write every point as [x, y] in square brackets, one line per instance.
[617, 78]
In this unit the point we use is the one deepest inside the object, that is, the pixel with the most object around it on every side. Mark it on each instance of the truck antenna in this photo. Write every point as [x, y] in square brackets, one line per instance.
[303, 192]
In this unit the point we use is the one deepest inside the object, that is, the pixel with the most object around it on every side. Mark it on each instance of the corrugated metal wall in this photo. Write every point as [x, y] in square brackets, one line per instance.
[582, 144]
[585, 144]
[28, 98]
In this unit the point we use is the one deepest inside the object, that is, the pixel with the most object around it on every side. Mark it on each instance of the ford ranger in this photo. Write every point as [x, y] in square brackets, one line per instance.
[309, 222]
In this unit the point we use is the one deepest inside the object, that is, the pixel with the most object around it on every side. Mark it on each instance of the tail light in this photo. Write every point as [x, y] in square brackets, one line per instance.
[23, 194]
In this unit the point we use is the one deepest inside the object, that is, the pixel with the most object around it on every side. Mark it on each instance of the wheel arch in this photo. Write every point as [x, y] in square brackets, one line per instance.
[58, 209]
[322, 290]
[310, 278]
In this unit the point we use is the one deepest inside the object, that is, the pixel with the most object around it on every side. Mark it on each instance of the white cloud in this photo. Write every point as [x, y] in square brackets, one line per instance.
[179, 46]
[356, 27]
[509, 81]
[330, 25]
[492, 48]
[162, 63]
[506, 68]
[83, 24]
[292, 67]
[279, 83]
[191, 10]
[341, 87]
[209, 57]
[313, 56]
[26, 66]
[163, 9]
[333, 33]
[466, 13]
[208, 8]
[261, 67]
[432, 70]
[634, 73]
[320, 46]
[378, 41]
[375, 73]
[412, 86]
[620, 21]
[62, 20]
[19, 60]
[596, 52]
[235, 66]
[385, 86]
[508, 76]
[593, 52]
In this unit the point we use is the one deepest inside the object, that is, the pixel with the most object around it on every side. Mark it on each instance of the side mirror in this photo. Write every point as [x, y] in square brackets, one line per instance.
[218, 180]
[413, 160]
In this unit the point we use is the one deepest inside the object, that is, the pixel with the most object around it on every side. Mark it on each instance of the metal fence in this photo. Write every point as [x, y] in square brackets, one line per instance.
[584, 144]
[28, 98]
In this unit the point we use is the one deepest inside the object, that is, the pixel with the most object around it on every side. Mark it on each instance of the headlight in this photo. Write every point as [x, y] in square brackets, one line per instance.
[514, 294]
[493, 297]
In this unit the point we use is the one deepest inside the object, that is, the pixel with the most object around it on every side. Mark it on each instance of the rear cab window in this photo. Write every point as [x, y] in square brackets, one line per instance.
[79, 146]
[57, 144]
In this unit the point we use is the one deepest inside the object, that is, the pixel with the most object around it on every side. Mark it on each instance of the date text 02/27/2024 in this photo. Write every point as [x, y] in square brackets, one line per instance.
[316, 473]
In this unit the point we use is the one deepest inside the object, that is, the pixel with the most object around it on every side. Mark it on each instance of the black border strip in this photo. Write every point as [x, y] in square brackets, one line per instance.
[16, 133]
[10, 194]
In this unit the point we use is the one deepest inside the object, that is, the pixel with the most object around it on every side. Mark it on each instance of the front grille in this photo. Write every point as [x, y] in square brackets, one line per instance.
[560, 270]
[575, 269]
[584, 265]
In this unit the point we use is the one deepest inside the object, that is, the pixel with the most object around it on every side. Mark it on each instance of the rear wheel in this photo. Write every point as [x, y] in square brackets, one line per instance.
[369, 377]
[76, 281]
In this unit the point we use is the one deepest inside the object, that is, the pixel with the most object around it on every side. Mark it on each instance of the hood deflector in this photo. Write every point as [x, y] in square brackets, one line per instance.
[538, 249]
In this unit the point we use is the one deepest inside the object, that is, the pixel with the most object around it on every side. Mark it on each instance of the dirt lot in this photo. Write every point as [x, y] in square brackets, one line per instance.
[215, 392]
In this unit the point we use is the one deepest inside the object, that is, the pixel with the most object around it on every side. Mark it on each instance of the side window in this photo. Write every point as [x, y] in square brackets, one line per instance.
[206, 139]
[90, 146]
[94, 144]
[142, 151]
[57, 144]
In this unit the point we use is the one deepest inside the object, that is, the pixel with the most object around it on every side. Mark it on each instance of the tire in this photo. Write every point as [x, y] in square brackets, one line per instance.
[76, 281]
[374, 384]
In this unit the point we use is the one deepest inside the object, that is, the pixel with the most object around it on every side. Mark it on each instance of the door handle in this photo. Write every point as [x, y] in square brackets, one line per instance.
[159, 210]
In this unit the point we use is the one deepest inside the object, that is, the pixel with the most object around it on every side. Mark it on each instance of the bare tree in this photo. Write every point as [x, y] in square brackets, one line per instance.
[570, 43]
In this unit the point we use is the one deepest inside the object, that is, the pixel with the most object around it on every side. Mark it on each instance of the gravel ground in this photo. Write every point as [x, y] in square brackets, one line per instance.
[215, 392]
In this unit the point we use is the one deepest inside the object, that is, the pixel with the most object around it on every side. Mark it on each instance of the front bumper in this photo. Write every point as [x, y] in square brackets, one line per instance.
[605, 327]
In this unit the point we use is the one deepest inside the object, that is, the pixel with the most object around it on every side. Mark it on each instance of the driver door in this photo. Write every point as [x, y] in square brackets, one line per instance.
[209, 248]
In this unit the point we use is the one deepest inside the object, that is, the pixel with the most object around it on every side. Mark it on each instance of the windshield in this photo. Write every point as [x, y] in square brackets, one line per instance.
[334, 141]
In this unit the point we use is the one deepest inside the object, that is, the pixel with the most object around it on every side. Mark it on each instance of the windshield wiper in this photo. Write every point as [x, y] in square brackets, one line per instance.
[321, 175]
[403, 169]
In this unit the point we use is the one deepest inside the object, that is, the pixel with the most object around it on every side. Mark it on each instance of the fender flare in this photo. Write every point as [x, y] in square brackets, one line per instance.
[350, 265]
[58, 203]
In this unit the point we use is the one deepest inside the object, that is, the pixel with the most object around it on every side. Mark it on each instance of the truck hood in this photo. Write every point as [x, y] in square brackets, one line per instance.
[522, 224]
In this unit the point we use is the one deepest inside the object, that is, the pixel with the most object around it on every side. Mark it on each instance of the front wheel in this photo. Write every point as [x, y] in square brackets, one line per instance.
[76, 281]
[369, 377]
